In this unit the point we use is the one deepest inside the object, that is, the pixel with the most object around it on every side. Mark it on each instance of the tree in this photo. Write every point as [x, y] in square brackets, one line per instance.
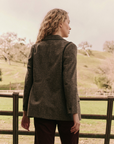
[23, 50]
[6, 42]
[85, 46]
[14, 48]
[20, 52]
[109, 46]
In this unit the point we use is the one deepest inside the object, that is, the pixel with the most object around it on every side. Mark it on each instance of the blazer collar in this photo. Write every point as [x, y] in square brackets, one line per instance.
[53, 37]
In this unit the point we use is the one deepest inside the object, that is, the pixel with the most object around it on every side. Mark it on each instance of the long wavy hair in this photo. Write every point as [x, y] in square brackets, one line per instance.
[50, 23]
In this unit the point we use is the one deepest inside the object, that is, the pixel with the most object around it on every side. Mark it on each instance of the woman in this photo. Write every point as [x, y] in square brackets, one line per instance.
[50, 92]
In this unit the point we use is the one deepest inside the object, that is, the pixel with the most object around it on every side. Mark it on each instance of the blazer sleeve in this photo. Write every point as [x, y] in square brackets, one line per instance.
[28, 80]
[70, 77]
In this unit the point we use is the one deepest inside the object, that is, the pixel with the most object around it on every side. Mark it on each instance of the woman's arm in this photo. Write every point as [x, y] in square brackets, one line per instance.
[28, 80]
[70, 83]
[70, 77]
[25, 123]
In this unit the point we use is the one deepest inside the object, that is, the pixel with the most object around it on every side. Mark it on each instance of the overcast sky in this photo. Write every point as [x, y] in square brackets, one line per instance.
[90, 20]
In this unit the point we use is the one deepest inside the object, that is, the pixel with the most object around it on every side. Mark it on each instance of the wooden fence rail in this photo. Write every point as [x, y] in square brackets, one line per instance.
[15, 113]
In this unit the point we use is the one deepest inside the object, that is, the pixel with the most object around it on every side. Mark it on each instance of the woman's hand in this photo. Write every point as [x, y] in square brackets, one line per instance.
[25, 122]
[76, 125]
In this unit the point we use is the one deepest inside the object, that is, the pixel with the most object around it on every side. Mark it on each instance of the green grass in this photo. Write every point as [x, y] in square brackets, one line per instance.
[87, 107]
[93, 107]
[87, 125]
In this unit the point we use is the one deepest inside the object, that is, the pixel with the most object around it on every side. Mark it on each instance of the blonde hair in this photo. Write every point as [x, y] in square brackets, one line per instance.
[51, 23]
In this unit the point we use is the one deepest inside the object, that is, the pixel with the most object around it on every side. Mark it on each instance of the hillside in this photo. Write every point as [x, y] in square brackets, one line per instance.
[86, 68]
[13, 75]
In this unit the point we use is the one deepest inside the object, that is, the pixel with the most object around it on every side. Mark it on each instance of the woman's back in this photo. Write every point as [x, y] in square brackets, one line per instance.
[47, 93]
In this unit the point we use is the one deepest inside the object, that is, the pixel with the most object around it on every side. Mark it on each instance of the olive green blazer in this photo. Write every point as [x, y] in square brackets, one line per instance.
[50, 90]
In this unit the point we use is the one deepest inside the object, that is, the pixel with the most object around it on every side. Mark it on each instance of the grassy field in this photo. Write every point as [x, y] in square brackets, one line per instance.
[87, 126]
[13, 78]
[13, 75]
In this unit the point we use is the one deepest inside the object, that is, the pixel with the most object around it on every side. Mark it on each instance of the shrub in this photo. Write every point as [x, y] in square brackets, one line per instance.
[103, 82]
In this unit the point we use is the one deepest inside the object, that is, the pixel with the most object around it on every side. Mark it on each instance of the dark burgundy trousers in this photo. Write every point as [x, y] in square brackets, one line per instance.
[45, 131]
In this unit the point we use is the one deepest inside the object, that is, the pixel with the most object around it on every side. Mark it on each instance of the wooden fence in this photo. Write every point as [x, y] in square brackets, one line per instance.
[15, 113]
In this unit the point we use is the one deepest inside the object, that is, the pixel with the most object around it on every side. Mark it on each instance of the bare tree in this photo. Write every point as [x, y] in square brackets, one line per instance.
[6, 42]
[84, 46]
[14, 48]
[109, 46]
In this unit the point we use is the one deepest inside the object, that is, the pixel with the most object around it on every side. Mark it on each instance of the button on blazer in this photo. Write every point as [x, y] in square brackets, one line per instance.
[50, 90]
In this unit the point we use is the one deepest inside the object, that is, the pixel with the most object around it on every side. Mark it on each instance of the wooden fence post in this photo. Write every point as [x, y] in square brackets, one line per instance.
[15, 117]
[109, 119]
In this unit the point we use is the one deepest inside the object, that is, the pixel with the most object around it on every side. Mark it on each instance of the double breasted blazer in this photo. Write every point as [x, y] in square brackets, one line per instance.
[50, 90]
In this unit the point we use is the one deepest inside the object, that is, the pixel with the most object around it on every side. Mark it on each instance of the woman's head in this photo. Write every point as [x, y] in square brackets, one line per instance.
[55, 21]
